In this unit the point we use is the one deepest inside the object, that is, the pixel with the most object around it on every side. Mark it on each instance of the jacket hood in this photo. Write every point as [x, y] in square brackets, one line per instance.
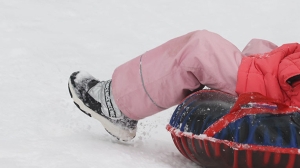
[288, 68]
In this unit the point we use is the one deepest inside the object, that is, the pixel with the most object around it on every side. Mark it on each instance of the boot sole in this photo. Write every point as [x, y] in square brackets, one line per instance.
[112, 129]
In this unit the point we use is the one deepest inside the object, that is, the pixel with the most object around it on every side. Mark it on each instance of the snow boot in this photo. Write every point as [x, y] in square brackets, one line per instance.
[94, 98]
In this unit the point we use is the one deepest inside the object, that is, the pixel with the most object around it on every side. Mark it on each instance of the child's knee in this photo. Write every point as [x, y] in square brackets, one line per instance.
[202, 35]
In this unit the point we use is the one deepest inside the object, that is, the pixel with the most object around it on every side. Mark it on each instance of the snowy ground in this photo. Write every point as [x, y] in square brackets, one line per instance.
[43, 42]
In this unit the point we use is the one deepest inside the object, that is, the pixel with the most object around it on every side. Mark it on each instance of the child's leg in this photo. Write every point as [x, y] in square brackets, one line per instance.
[258, 46]
[163, 76]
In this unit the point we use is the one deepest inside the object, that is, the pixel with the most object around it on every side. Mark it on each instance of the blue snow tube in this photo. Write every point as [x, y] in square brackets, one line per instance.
[216, 129]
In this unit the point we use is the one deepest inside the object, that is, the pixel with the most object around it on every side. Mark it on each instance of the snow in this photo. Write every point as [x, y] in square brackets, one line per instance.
[43, 42]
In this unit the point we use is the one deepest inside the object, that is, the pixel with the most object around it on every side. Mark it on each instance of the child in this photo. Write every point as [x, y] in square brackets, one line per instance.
[165, 75]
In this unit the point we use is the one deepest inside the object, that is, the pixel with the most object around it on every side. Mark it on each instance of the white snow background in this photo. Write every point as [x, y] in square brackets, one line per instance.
[43, 42]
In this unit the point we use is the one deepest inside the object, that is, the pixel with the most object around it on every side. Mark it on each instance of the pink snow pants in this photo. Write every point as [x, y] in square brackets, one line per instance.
[165, 75]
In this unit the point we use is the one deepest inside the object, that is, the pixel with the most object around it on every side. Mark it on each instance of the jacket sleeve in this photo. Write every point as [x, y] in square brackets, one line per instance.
[258, 46]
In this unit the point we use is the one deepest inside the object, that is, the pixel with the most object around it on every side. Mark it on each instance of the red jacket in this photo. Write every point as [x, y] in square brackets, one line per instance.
[268, 74]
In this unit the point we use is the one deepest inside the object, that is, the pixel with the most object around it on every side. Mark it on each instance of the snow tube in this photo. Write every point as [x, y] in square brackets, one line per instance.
[215, 129]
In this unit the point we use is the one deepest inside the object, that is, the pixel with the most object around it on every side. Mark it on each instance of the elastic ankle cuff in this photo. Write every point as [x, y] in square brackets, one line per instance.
[115, 107]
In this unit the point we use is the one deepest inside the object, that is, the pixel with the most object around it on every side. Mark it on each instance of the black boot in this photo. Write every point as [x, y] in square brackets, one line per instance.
[95, 99]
